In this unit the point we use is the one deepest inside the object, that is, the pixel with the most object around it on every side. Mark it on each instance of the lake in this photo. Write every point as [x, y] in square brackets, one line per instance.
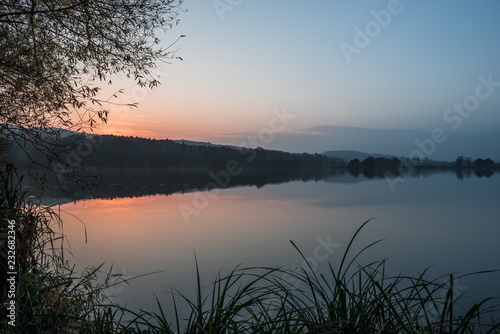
[437, 219]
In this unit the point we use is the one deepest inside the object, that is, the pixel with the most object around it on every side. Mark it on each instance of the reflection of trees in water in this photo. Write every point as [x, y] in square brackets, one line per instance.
[479, 172]
[143, 182]
[381, 167]
[375, 167]
[166, 181]
[465, 167]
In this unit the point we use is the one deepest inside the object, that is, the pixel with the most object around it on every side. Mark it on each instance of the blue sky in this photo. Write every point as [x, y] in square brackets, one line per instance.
[244, 59]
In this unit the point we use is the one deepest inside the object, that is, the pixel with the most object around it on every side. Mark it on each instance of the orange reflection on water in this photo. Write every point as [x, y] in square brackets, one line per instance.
[144, 227]
[122, 229]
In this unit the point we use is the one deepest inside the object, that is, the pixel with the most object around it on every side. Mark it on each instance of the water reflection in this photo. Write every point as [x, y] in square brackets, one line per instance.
[437, 220]
[117, 183]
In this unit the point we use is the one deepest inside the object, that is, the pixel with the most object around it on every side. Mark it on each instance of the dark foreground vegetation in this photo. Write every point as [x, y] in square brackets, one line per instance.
[51, 298]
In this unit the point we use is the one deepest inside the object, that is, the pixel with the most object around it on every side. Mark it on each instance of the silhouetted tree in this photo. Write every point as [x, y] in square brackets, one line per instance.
[54, 55]
[479, 163]
[369, 163]
[488, 163]
[354, 164]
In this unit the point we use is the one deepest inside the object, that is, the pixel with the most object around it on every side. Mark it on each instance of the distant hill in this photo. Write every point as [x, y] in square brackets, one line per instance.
[349, 155]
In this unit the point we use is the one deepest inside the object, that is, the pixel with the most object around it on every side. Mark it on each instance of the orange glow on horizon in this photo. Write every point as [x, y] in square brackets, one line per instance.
[196, 124]
[154, 130]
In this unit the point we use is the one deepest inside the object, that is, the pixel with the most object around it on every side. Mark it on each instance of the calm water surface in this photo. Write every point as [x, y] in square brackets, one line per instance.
[438, 220]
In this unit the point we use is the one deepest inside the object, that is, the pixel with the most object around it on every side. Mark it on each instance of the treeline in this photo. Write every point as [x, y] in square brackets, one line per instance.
[465, 167]
[372, 167]
[134, 152]
[379, 167]
[113, 152]
[480, 163]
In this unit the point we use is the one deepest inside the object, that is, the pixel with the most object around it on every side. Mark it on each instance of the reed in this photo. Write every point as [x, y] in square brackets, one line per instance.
[50, 296]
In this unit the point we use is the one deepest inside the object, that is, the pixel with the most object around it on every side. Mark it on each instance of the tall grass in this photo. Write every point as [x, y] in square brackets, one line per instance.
[366, 300]
[348, 298]
[50, 296]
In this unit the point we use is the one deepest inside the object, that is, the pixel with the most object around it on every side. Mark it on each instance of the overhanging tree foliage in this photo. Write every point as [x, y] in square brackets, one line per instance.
[55, 54]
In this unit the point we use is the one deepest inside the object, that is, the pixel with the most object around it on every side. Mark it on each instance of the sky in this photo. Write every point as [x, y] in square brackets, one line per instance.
[409, 77]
